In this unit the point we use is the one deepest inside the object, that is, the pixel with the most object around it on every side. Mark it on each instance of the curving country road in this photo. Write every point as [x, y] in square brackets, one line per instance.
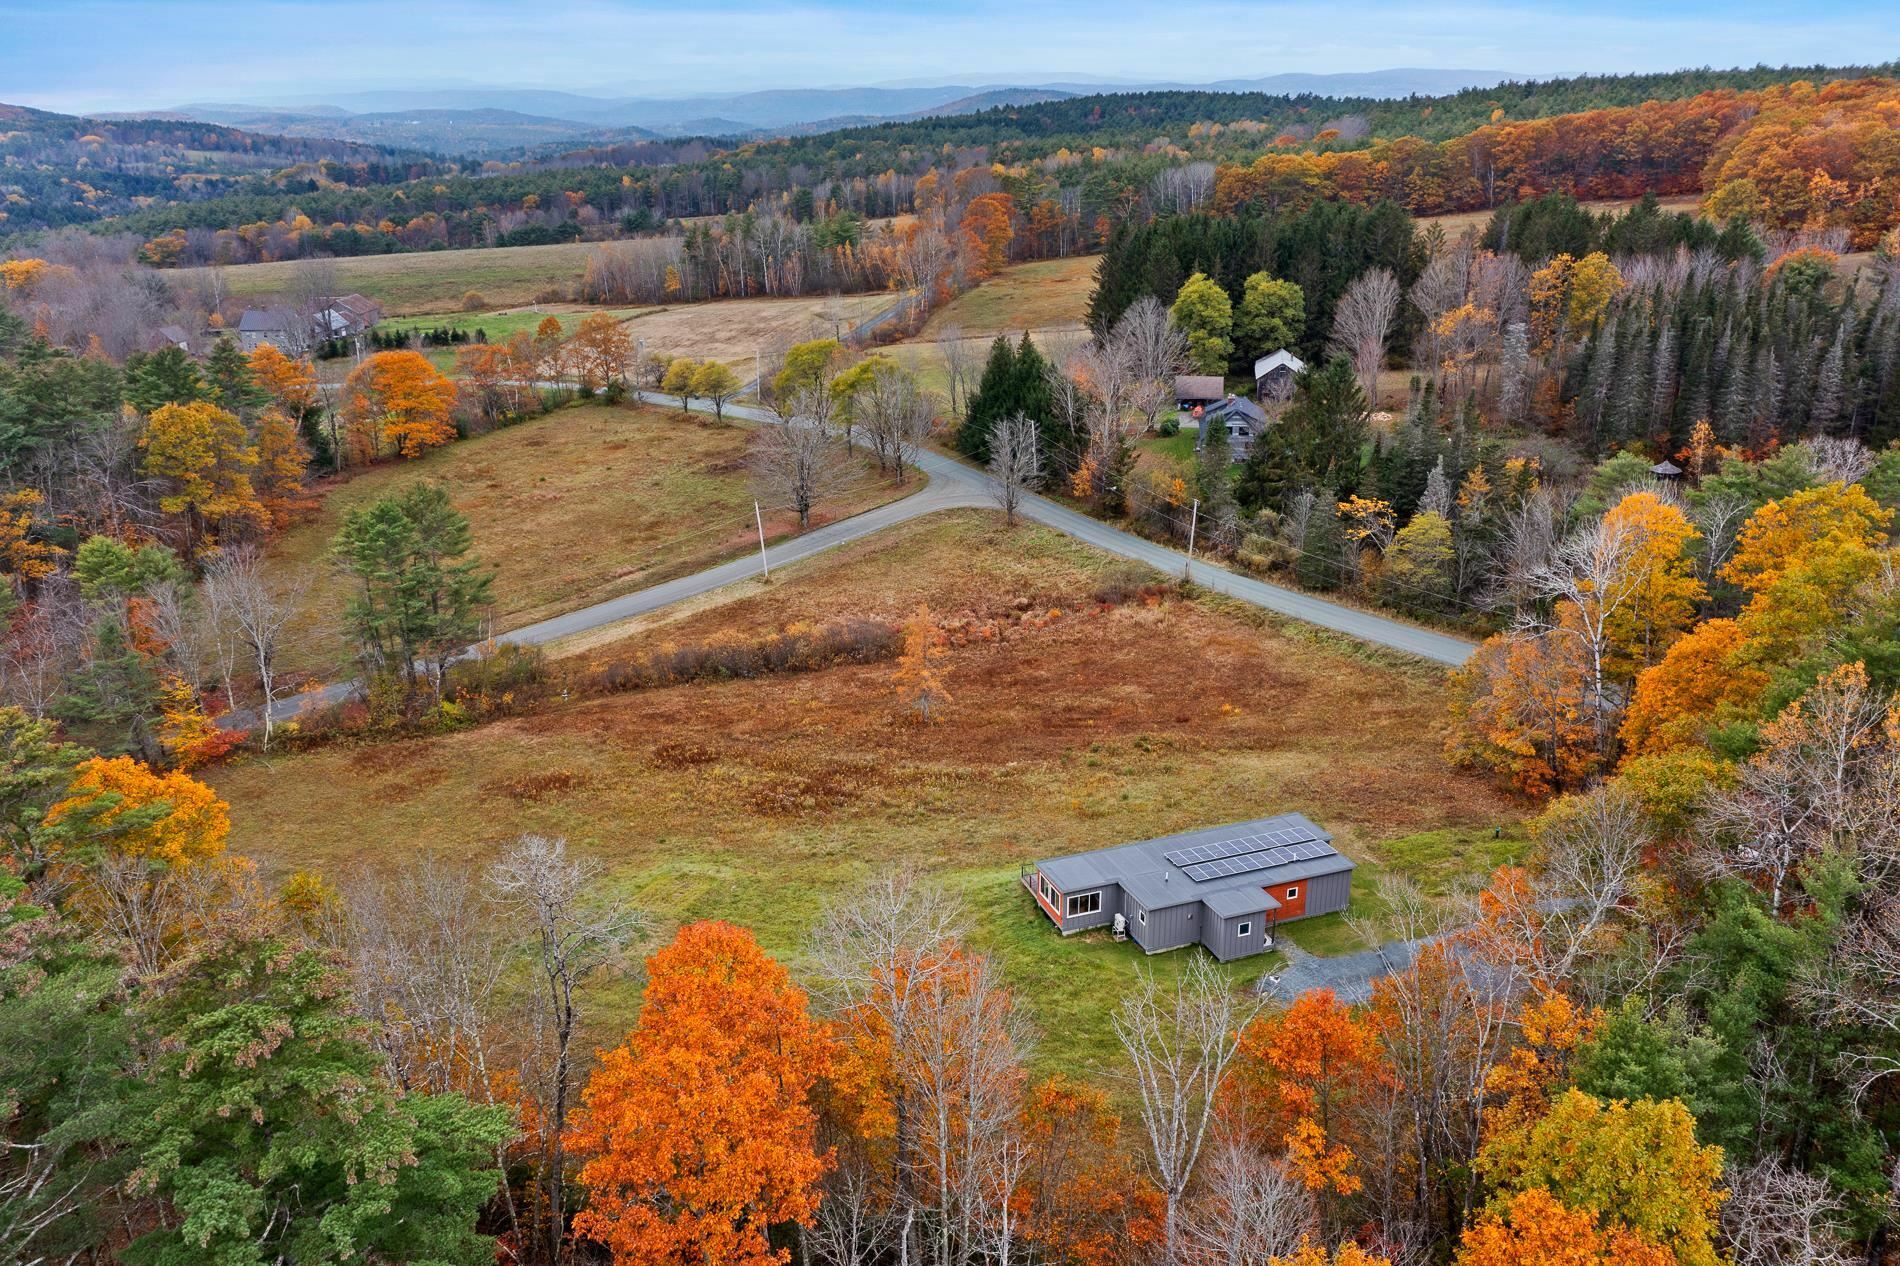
[951, 478]
[952, 485]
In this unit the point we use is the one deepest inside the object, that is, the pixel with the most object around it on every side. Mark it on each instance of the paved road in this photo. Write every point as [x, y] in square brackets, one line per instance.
[945, 472]
[953, 484]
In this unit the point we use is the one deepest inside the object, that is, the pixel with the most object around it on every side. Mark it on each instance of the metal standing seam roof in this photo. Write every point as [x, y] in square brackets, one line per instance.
[1227, 866]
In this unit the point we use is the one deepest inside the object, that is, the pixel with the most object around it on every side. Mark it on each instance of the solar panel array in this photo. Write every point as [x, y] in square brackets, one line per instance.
[1246, 853]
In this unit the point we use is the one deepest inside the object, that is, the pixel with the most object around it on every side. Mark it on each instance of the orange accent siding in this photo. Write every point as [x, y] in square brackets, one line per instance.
[1043, 901]
[1290, 907]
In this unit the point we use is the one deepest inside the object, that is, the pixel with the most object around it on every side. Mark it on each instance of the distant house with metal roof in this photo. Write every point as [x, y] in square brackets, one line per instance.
[1224, 887]
[1273, 375]
[280, 327]
[1242, 419]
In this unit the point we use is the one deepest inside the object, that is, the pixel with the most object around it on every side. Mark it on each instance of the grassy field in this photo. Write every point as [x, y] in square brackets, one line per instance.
[1458, 221]
[760, 800]
[731, 330]
[497, 327]
[1044, 295]
[503, 325]
[735, 330]
[433, 281]
[575, 507]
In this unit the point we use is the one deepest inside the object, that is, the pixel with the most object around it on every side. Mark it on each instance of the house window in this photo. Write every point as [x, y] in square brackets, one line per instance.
[1085, 903]
[1293, 893]
[1246, 929]
[1141, 917]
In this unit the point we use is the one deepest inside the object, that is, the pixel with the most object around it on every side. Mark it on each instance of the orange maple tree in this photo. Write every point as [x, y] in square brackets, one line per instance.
[1674, 701]
[698, 1131]
[1535, 1227]
[396, 401]
[186, 731]
[988, 229]
[24, 557]
[290, 382]
[1080, 1198]
[1521, 709]
[1302, 1070]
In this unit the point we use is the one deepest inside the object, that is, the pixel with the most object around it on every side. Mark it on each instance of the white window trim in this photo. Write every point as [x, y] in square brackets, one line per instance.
[1246, 929]
[1141, 917]
[1293, 893]
[1068, 910]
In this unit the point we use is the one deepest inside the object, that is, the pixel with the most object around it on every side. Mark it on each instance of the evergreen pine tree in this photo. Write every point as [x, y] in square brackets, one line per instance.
[1322, 561]
[229, 383]
[994, 399]
[110, 701]
[167, 376]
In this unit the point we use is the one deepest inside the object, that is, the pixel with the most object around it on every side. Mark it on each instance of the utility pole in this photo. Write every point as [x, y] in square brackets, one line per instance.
[759, 518]
[1194, 521]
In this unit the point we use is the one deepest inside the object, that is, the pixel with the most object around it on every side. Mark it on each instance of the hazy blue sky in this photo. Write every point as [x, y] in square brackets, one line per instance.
[117, 54]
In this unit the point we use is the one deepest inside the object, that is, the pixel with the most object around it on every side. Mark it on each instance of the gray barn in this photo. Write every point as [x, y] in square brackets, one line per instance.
[1225, 887]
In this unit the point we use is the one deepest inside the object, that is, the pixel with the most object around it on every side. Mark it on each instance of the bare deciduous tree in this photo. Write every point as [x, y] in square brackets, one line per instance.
[576, 934]
[428, 955]
[965, 1069]
[796, 464]
[959, 365]
[1015, 463]
[1152, 352]
[896, 416]
[1180, 1041]
[256, 614]
[880, 953]
[1779, 1216]
[1363, 321]
[1590, 573]
[1250, 1209]
[1586, 870]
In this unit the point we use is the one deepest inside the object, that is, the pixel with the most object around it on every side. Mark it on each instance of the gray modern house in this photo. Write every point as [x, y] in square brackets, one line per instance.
[1225, 887]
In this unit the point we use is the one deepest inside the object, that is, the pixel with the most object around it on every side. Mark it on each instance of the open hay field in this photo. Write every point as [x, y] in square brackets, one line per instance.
[581, 505]
[1458, 221]
[1073, 723]
[433, 281]
[1043, 295]
[735, 330]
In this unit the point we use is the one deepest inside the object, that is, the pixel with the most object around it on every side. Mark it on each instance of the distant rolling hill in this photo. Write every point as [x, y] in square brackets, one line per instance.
[474, 133]
[483, 123]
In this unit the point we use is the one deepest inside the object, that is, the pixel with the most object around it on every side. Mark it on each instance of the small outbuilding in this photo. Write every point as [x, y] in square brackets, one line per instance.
[1224, 887]
[1273, 375]
[1197, 391]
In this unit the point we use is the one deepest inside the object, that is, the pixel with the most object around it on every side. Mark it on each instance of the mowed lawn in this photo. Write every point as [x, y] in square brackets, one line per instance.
[433, 281]
[760, 800]
[575, 507]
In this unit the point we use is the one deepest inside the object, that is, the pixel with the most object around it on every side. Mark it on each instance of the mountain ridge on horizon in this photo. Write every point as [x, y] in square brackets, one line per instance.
[478, 120]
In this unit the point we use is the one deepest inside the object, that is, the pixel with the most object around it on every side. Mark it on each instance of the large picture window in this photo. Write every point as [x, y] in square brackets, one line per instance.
[1085, 903]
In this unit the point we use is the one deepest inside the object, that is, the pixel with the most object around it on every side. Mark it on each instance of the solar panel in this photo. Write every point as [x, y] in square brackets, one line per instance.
[1260, 859]
[1243, 845]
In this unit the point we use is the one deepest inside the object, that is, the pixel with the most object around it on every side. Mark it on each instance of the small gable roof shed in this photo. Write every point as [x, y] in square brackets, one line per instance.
[1281, 359]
